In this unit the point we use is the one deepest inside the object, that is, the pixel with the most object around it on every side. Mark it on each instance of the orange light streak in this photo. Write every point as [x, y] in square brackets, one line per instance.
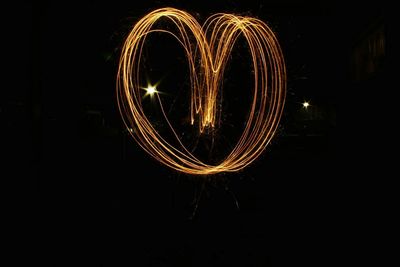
[207, 59]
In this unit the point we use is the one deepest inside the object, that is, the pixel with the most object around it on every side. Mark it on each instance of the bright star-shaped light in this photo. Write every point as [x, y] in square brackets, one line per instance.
[306, 104]
[150, 90]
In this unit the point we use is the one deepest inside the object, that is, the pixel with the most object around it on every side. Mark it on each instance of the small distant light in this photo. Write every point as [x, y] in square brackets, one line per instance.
[131, 130]
[306, 104]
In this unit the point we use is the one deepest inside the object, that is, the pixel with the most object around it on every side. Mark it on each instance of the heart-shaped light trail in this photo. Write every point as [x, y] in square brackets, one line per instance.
[207, 58]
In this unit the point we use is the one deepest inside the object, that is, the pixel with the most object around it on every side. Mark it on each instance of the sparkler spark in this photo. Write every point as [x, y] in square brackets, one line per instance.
[150, 90]
[207, 59]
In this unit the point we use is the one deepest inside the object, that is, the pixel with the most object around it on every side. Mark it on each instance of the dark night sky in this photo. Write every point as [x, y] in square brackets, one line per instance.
[100, 199]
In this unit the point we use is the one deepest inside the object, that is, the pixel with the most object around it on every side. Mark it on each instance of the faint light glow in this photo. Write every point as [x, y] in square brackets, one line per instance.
[207, 49]
[150, 90]
[306, 104]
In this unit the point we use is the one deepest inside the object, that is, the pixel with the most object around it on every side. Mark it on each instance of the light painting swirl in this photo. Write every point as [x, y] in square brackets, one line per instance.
[207, 49]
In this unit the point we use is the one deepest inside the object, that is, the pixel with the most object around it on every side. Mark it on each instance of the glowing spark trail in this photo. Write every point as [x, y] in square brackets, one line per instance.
[207, 59]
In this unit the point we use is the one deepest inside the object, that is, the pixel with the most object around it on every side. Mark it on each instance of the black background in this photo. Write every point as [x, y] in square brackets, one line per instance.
[100, 200]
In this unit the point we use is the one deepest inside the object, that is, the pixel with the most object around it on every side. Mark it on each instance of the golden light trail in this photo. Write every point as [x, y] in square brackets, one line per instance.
[207, 50]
